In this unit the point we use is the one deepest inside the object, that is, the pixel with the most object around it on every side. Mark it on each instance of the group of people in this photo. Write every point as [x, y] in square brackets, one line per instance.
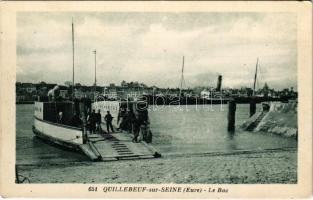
[94, 121]
[135, 123]
[129, 120]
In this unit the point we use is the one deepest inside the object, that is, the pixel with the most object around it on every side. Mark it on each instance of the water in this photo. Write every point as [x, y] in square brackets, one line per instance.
[202, 129]
[191, 129]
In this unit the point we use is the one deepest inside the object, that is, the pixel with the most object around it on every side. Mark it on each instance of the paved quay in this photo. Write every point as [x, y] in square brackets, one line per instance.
[246, 167]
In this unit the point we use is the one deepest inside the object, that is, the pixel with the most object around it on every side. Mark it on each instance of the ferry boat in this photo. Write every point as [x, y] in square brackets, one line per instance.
[57, 122]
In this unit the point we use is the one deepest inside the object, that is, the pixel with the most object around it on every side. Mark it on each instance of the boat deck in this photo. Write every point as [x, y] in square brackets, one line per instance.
[119, 146]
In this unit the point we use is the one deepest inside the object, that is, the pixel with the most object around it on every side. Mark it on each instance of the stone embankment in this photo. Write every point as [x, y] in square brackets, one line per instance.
[281, 119]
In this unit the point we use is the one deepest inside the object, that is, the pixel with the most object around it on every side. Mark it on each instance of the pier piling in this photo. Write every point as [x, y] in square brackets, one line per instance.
[231, 115]
[252, 107]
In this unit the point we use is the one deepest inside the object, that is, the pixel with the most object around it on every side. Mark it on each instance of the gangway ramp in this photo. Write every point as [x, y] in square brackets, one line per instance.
[119, 146]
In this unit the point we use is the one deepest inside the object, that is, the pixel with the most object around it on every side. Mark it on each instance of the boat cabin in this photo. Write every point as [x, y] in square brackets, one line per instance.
[55, 112]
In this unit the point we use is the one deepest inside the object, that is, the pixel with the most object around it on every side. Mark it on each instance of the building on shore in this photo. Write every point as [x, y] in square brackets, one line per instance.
[31, 91]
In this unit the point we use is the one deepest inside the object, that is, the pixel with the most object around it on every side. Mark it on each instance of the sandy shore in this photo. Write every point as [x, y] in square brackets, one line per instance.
[257, 167]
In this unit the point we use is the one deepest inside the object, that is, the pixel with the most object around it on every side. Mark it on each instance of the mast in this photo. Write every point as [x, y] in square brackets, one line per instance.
[255, 75]
[73, 58]
[182, 80]
[95, 52]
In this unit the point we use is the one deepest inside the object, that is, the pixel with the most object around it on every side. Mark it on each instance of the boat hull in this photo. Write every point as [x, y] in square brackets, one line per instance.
[65, 136]
[57, 133]
[54, 141]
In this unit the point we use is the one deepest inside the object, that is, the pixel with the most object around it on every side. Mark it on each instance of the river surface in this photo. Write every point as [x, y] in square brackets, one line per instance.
[176, 130]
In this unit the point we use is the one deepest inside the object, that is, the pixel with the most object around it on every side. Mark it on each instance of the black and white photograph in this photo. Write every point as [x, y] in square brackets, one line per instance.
[162, 97]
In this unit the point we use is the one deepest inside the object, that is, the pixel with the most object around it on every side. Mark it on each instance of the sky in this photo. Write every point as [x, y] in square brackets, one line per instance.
[149, 47]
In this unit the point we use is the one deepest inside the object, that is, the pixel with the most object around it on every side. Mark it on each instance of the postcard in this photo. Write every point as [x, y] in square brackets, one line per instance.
[156, 99]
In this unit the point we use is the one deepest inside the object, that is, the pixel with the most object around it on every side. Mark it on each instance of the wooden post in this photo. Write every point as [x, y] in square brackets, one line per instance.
[16, 175]
[252, 107]
[83, 111]
[85, 136]
[94, 98]
[231, 115]
[73, 83]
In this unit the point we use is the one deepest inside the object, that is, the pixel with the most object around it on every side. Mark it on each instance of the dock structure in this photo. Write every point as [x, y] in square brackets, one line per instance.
[253, 122]
[256, 122]
[117, 146]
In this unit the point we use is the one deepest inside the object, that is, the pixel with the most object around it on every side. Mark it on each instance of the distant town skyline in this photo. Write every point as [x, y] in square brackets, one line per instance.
[148, 48]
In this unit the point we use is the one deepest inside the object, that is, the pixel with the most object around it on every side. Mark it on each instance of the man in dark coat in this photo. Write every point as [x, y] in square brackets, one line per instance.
[76, 121]
[108, 119]
[98, 115]
[136, 129]
[92, 120]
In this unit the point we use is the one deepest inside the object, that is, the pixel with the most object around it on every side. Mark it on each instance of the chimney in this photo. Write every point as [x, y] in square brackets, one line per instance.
[219, 83]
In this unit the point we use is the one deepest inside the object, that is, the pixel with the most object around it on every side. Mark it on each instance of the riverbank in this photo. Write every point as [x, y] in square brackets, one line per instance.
[276, 166]
[281, 119]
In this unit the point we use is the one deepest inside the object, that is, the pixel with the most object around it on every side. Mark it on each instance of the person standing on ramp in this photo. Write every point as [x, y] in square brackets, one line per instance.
[108, 119]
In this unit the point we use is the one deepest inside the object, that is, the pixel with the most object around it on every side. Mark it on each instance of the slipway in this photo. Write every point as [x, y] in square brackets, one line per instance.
[119, 146]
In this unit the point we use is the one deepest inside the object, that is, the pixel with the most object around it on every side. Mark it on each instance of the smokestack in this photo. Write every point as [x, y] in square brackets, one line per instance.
[219, 83]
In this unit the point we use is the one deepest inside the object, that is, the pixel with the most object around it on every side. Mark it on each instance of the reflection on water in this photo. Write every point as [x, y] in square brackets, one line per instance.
[187, 129]
[230, 135]
[231, 140]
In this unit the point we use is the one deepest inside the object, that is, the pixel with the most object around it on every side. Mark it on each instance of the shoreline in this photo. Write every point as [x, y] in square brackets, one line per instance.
[165, 100]
[281, 119]
[276, 166]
